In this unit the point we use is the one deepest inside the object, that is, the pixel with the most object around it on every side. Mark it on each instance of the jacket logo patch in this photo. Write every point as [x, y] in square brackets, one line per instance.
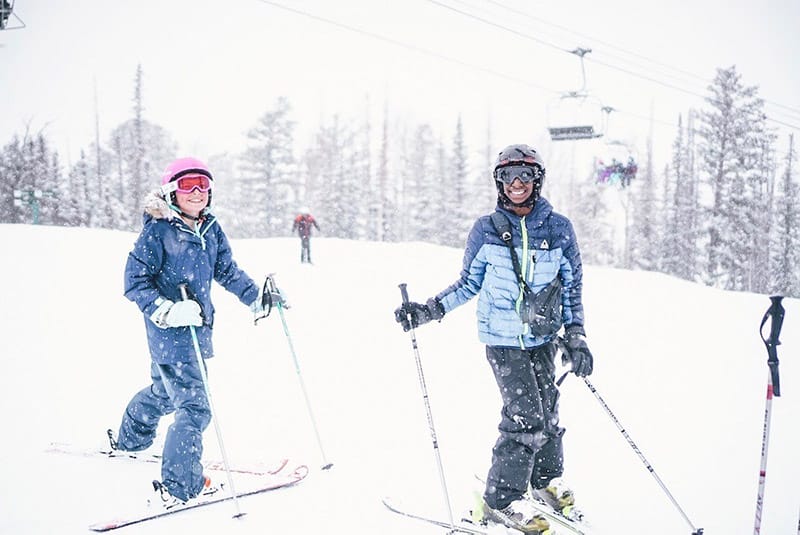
[544, 245]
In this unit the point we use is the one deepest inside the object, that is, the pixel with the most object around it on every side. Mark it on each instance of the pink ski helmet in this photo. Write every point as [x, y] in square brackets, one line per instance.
[182, 167]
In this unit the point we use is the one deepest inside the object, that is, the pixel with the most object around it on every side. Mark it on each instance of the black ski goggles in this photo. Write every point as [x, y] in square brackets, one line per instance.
[525, 173]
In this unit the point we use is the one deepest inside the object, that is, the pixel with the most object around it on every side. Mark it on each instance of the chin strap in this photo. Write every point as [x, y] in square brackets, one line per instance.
[201, 218]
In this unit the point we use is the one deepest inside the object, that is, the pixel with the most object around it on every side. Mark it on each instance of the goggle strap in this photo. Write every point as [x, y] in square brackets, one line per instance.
[193, 171]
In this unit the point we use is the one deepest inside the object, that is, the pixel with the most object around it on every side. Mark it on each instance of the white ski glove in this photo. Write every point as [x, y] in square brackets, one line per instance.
[180, 314]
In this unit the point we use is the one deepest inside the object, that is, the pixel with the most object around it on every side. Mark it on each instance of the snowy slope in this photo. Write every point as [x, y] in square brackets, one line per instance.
[681, 366]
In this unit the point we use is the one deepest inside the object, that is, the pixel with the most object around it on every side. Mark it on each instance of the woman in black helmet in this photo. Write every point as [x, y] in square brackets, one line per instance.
[528, 286]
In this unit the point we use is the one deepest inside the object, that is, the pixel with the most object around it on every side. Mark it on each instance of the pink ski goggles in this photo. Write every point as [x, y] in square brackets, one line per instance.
[189, 183]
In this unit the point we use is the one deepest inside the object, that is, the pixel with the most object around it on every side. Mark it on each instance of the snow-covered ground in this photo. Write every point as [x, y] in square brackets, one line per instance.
[681, 365]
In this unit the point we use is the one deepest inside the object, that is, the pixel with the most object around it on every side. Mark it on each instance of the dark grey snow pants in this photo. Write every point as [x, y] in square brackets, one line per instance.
[529, 448]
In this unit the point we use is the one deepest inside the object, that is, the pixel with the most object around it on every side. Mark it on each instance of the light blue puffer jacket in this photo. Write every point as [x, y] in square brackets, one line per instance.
[546, 247]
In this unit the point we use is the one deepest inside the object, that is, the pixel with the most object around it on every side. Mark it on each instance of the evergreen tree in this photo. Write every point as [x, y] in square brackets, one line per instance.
[336, 181]
[76, 194]
[421, 193]
[30, 182]
[136, 155]
[785, 267]
[140, 150]
[643, 251]
[269, 167]
[387, 210]
[458, 193]
[733, 142]
[680, 247]
[11, 170]
[229, 195]
[591, 222]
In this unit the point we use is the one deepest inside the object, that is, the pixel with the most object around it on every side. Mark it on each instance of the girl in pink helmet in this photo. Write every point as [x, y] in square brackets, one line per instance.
[181, 244]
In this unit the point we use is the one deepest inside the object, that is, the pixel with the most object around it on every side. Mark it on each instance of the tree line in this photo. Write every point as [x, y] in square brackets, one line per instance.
[723, 212]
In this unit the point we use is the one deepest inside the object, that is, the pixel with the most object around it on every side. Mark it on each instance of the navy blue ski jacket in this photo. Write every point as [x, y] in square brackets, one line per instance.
[168, 253]
[546, 247]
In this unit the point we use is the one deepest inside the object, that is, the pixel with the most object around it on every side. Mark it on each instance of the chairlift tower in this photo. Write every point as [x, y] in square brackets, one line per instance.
[576, 114]
[32, 198]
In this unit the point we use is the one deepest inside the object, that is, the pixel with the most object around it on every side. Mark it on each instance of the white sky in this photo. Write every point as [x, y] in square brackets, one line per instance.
[212, 68]
[681, 366]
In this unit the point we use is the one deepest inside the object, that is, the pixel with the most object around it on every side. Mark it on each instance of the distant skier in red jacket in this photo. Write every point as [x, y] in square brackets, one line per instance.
[302, 224]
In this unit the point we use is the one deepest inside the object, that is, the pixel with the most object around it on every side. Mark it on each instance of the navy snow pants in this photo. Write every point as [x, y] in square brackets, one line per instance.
[529, 448]
[176, 388]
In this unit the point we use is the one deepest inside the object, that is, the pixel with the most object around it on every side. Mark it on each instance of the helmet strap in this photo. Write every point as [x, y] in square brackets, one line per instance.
[173, 205]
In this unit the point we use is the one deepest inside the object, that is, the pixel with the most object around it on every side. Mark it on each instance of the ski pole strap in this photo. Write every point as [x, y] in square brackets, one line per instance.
[775, 312]
[266, 298]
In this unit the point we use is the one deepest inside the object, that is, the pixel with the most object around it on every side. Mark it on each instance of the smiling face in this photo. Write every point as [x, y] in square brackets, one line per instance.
[192, 203]
[518, 191]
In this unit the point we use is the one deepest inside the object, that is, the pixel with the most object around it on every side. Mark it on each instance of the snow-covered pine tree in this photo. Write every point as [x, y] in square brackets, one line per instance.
[387, 209]
[458, 179]
[732, 139]
[421, 189]
[26, 167]
[270, 171]
[592, 225]
[336, 182]
[785, 266]
[680, 236]
[643, 232]
[76, 194]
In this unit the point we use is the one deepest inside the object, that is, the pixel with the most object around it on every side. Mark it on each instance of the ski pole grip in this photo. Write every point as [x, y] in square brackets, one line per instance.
[404, 292]
[184, 291]
[777, 311]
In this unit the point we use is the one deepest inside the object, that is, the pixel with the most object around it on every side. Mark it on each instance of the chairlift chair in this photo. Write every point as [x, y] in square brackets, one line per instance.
[575, 114]
[8, 19]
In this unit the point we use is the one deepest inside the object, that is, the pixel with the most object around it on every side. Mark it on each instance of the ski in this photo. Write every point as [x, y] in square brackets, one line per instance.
[462, 526]
[558, 522]
[258, 469]
[281, 479]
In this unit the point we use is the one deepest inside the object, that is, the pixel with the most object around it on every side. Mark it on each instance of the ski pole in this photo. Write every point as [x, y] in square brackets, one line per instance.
[695, 531]
[404, 293]
[775, 314]
[269, 288]
[202, 365]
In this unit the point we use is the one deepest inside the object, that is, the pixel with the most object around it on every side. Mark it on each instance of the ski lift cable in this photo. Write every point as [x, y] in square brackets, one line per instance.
[593, 39]
[498, 25]
[599, 62]
[634, 54]
[408, 46]
[443, 57]
[581, 53]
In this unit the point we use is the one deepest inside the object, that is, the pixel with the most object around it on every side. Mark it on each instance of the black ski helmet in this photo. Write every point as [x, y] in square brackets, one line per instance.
[519, 155]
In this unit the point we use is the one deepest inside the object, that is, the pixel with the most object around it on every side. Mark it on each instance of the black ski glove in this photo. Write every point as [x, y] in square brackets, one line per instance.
[577, 352]
[418, 314]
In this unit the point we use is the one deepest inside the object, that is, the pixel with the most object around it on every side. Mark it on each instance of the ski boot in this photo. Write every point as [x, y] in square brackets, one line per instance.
[519, 515]
[167, 501]
[560, 498]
